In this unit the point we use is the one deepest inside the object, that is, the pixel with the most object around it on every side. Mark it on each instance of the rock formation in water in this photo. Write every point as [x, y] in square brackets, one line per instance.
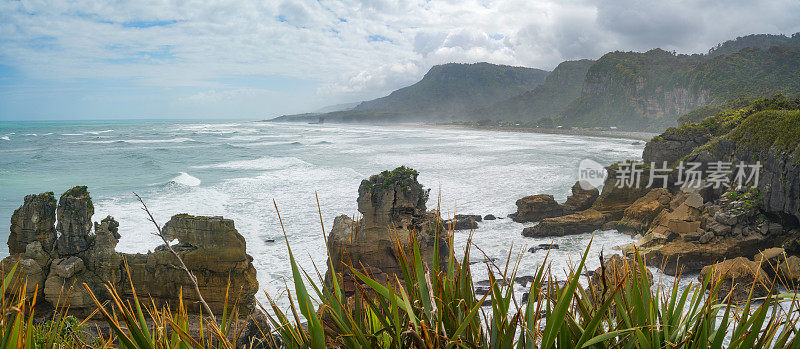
[84, 253]
[609, 206]
[392, 205]
[535, 207]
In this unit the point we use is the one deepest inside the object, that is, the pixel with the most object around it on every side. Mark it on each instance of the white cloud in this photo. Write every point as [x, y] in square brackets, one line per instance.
[355, 49]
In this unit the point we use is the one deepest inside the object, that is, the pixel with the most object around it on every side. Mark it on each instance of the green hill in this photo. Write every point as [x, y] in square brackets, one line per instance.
[648, 91]
[762, 41]
[449, 90]
[562, 86]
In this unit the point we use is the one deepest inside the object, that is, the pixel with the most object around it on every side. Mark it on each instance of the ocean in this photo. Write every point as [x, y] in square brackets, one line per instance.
[236, 169]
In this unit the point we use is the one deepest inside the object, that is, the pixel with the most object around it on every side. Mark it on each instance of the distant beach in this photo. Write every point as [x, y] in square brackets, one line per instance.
[642, 136]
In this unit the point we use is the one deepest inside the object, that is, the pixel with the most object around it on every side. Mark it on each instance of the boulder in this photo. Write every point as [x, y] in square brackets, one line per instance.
[64, 283]
[390, 198]
[614, 270]
[543, 247]
[473, 217]
[75, 210]
[737, 275]
[29, 269]
[489, 217]
[580, 199]
[576, 223]
[789, 271]
[536, 207]
[214, 252]
[463, 222]
[393, 206]
[705, 238]
[770, 260]
[639, 216]
[257, 333]
[34, 221]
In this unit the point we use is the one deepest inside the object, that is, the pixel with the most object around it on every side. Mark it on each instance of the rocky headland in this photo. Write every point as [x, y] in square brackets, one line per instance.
[59, 249]
[746, 235]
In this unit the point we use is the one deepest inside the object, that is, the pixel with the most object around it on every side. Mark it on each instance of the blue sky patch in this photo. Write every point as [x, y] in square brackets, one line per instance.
[148, 24]
[377, 38]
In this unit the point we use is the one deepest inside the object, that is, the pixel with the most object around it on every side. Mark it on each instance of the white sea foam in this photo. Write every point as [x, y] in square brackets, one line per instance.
[5, 138]
[72, 134]
[98, 142]
[186, 179]
[171, 140]
[142, 141]
[262, 163]
[98, 132]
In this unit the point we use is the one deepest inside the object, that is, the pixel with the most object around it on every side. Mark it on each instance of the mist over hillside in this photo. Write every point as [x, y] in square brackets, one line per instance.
[642, 91]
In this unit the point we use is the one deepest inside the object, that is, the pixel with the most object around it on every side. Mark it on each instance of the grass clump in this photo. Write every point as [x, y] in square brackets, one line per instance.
[437, 306]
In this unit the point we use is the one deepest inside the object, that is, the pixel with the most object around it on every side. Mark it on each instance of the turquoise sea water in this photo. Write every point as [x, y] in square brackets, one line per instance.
[236, 168]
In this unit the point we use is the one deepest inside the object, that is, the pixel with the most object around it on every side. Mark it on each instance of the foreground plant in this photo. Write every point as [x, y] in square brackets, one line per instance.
[432, 307]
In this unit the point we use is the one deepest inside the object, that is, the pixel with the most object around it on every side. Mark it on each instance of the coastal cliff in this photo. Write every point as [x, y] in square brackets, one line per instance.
[686, 228]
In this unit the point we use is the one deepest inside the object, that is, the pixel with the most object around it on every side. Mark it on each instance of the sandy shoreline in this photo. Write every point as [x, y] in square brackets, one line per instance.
[642, 136]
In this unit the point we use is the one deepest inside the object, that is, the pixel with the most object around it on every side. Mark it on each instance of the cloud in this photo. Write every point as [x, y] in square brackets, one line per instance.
[352, 49]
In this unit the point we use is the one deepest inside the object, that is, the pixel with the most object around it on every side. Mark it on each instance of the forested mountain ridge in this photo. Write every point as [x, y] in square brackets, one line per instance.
[649, 91]
[452, 89]
[627, 90]
[562, 86]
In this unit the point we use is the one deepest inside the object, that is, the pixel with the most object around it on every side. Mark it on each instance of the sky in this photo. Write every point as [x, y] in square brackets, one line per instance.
[246, 59]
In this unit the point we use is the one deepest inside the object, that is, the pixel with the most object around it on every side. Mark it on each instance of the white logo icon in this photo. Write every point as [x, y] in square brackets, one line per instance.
[591, 174]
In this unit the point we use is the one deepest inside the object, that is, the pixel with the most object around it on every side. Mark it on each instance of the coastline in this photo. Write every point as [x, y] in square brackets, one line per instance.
[635, 135]
[641, 136]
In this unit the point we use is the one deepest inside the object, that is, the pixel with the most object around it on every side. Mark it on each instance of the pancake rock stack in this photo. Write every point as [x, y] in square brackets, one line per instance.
[59, 249]
[393, 206]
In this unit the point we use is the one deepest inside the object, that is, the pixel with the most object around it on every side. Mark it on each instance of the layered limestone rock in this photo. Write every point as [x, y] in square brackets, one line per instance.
[393, 206]
[84, 253]
[609, 206]
[639, 216]
[737, 276]
[536, 207]
[576, 223]
[690, 234]
[75, 210]
[33, 221]
[214, 252]
[581, 199]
